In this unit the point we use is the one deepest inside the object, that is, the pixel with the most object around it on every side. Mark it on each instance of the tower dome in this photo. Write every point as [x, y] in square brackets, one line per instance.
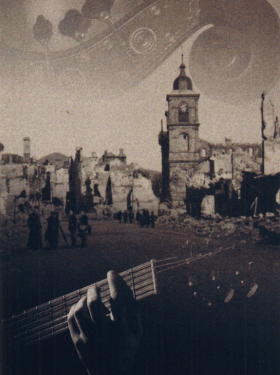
[182, 82]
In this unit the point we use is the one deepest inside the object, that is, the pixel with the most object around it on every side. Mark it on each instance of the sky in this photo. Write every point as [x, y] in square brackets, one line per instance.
[60, 121]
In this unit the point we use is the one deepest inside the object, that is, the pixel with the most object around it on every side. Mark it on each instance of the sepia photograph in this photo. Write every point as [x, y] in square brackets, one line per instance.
[139, 187]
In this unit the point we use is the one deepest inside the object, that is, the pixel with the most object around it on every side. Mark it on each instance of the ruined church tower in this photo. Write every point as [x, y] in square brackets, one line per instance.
[179, 144]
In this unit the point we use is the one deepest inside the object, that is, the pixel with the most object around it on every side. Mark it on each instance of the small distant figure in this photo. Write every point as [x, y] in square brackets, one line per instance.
[83, 228]
[153, 219]
[138, 216]
[131, 216]
[72, 227]
[125, 215]
[147, 218]
[51, 235]
[143, 218]
[120, 216]
[35, 227]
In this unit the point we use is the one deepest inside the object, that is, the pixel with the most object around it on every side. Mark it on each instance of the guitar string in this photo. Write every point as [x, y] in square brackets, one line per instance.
[49, 332]
[60, 314]
[178, 263]
[52, 329]
[54, 311]
[164, 267]
[101, 284]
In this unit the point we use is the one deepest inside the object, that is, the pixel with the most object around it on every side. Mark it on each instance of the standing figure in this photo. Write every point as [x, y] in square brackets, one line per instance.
[83, 228]
[152, 219]
[72, 226]
[120, 216]
[34, 225]
[147, 218]
[51, 235]
[131, 216]
[125, 216]
[138, 216]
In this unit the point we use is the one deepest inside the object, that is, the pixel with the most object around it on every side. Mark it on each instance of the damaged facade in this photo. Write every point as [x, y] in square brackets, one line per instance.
[41, 181]
[79, 183]
[195, 171]
[110, 181]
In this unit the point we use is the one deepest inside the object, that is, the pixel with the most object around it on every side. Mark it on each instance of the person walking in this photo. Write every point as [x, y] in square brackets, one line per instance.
[52, 231]
[83, 228]
[72, 227]
[35, 227]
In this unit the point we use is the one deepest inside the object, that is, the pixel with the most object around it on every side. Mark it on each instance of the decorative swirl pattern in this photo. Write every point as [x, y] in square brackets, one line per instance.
[239, 57]
[143, 41]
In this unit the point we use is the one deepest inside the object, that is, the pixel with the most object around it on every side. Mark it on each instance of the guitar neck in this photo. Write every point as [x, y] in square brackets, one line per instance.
[49, 319]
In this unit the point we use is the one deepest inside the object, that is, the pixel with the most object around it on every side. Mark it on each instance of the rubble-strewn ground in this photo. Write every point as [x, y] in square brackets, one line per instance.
[241, 229]
[238, 229]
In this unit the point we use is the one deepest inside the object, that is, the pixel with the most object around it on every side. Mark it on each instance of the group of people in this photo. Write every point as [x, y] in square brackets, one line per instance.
[81, 227]
[125, 216]
[53, 228]
[144, 218]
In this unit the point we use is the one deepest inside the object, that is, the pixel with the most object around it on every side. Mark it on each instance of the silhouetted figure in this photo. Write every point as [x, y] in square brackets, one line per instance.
[153, 219]
[147, 218]
[120, 216]
[143, 218]
[131, 216]
[138, 216]
[72, 226]
[34, 225]
[83, 228]
[125, 215]
[51, 235]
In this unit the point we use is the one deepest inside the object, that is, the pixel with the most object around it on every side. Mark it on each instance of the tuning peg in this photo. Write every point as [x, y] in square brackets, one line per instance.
[227, 293]
[253, 289]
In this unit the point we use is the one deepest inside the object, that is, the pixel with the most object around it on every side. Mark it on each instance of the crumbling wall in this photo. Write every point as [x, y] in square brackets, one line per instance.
[124, 178]
[272, 156]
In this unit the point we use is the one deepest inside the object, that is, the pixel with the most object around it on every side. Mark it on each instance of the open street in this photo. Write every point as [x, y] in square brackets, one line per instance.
[188, 327]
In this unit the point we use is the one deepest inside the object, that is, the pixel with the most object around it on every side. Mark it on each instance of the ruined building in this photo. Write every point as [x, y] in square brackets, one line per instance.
[187, 160]
[108, 181]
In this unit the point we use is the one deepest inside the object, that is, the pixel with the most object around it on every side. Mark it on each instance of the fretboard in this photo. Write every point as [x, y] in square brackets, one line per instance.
[49, 319]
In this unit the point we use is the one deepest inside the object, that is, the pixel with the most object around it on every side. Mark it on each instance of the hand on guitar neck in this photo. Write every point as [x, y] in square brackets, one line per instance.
[106, 343]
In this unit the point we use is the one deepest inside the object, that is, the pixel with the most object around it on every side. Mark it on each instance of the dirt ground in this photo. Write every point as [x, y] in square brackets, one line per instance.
[188, 327]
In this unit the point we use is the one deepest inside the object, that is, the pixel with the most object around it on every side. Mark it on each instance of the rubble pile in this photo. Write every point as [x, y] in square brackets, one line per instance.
[243, 229]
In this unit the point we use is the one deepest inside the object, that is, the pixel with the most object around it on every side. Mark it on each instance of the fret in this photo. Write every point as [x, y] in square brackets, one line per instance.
[25, 332]
[50, 318]
[154, 276]
[64, 307]
[132, 287]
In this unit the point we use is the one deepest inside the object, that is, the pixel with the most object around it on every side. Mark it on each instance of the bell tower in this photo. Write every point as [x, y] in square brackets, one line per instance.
[181, 136]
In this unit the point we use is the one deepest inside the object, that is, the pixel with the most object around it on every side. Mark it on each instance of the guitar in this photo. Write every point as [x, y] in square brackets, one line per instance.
[50, 319]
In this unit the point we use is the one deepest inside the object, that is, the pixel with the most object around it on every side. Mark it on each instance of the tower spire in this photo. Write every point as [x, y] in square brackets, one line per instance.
[182, 66]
